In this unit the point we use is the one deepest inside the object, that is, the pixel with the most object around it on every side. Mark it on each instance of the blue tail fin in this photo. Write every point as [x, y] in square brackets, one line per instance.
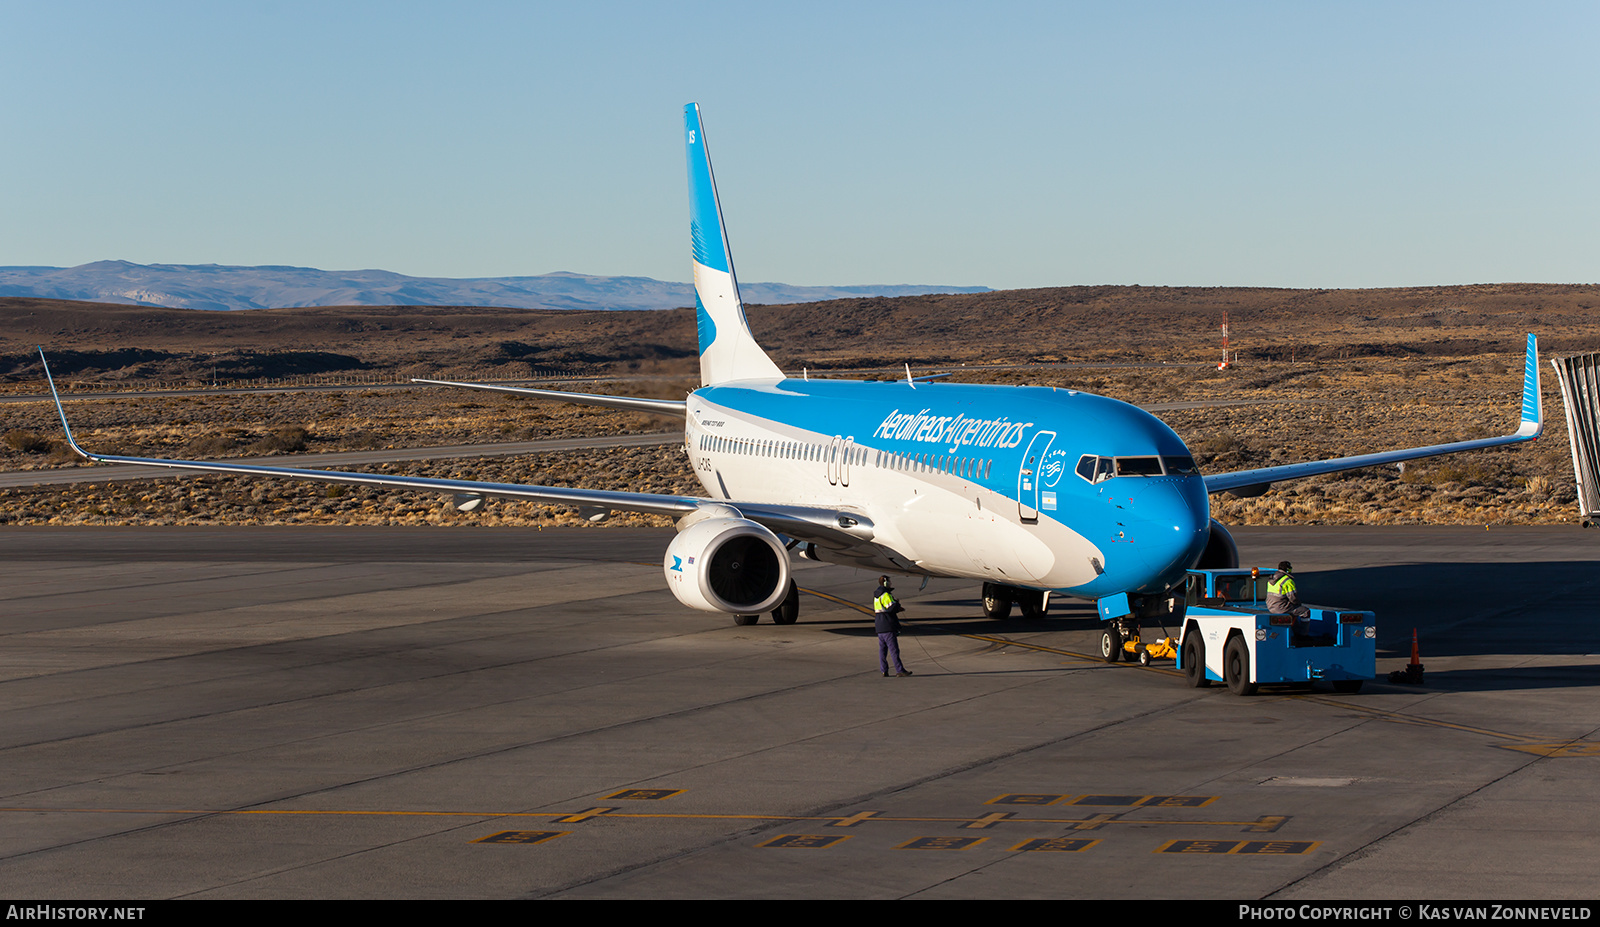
[727, 349]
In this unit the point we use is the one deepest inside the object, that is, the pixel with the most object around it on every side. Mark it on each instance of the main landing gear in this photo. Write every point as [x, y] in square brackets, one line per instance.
[998, 599]
[787, 612]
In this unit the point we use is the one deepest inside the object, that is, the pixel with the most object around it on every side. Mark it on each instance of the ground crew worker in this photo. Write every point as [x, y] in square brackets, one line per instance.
[1282, 598]
[884, 609]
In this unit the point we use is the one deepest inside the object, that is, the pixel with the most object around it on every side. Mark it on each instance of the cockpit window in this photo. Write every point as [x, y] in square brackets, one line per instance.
[1096, 469]
[1138, 466]
[1180, 466]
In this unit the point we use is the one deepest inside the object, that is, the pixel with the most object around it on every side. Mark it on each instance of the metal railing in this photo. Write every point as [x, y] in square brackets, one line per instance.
[1580, 393]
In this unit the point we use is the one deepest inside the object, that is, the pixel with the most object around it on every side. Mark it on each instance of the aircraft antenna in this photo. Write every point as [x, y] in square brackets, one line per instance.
[909, 378]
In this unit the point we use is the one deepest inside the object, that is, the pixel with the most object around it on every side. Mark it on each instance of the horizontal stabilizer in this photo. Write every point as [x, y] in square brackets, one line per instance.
[665, 406]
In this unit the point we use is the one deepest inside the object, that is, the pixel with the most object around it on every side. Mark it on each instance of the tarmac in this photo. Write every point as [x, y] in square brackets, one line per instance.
[514, 713]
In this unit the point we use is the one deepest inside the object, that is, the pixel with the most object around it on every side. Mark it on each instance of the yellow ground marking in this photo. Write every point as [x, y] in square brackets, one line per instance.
[1240, 847]
[941, 843]
[1095, 821]
[1571, 748]
[1263, 824]
[838, 601]
[1103, 800]
[581, 816]
[1055, 845]
[804, 841]
[1522, 742]
[523, 837]
[643, 794]
[988, 820]
[1089, 657]
[1550, 750]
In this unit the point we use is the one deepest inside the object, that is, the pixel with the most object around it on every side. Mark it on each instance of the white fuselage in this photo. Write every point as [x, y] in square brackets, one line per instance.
[960, 489]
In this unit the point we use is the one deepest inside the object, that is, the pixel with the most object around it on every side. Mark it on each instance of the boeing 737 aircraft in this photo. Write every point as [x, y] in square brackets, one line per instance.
[1031, 491]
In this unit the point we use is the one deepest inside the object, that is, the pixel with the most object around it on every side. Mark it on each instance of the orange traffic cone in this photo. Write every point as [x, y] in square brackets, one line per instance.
[1413, 671]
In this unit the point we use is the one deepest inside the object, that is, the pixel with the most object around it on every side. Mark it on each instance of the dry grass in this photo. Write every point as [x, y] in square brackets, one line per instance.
[1313, 411]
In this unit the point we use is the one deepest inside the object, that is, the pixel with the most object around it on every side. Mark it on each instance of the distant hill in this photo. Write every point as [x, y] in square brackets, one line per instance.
[1072, 324]
[221, 287]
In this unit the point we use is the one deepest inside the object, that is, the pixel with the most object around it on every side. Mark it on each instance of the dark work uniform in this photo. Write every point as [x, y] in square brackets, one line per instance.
[884, 609]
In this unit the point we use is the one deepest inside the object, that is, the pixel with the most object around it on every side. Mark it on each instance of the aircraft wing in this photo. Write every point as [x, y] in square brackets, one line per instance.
[1253, 482]
[834, 528]
[665, 406]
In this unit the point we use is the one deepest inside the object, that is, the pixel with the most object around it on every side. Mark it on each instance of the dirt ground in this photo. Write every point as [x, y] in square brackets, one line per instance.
[1297, 411]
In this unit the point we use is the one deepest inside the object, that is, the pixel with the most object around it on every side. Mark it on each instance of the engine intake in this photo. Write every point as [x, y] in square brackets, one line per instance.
[1221, 552]
[729, 565]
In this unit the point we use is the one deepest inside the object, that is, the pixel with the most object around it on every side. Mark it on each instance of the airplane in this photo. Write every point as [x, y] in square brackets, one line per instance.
[1032, 491]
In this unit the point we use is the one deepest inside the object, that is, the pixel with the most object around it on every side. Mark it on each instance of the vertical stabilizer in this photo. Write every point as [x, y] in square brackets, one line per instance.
[727, 349]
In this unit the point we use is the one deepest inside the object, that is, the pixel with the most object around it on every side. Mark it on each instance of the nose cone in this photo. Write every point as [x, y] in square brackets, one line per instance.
[1174, 518]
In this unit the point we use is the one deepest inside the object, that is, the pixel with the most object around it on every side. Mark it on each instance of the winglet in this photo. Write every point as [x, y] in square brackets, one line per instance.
[59, 410]
[728, 351]
[1532, 401]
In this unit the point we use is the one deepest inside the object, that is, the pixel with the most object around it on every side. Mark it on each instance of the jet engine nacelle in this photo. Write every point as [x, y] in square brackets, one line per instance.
[1221, 552]
[730, 565]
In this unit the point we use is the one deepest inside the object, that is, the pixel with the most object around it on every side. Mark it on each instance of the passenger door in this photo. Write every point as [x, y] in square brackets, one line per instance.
[1028, 477]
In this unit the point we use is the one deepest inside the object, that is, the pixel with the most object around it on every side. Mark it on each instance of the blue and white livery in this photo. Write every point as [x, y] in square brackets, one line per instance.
[1031, 491]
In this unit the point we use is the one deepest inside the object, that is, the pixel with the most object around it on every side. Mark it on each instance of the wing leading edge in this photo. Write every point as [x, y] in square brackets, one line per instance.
[831, 527]
[1249, 482]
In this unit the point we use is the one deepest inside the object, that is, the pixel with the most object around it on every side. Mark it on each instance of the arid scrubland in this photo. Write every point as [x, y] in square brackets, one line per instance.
[1320, 373]
[247, 425]
[1276, 413]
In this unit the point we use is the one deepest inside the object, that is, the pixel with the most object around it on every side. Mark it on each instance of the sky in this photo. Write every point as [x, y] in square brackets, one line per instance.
[1004, 144]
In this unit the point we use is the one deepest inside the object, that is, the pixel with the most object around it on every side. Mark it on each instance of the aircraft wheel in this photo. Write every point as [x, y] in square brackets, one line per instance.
[996, 601]
[1032, 602]
[1347, 685]
[1194, 661]
[1236, 667]
[745, 620]
[1111, 645]
[788, 611]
